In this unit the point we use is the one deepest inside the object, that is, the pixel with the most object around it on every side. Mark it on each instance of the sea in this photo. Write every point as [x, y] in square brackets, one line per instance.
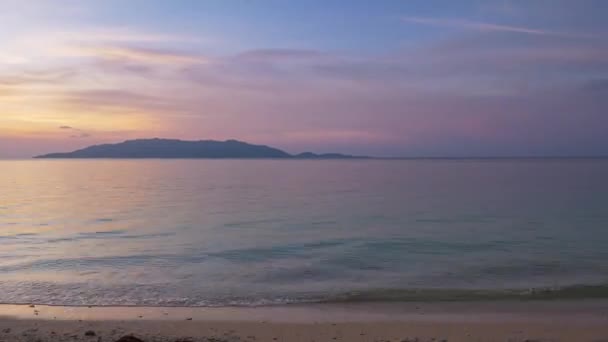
[276, 232]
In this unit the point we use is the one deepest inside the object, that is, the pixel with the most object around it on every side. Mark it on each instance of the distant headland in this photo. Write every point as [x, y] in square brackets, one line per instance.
[170, 148]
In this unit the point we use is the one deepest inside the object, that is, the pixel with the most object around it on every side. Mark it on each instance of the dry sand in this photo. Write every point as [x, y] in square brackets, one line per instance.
[500, 321]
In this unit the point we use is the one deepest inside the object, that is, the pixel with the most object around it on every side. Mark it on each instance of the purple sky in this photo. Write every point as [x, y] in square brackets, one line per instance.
[383, 78]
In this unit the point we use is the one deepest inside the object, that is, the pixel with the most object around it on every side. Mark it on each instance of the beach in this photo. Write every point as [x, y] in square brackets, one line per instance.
[585, 320]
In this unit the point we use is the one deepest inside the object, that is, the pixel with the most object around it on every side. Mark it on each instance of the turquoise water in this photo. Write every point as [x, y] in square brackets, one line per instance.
[250, 232]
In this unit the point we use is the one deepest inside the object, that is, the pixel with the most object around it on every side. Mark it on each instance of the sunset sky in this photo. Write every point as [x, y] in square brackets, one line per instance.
[384, 78]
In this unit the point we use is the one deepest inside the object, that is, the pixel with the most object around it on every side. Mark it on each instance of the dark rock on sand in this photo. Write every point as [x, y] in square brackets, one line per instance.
[90, 333]
[129, 339]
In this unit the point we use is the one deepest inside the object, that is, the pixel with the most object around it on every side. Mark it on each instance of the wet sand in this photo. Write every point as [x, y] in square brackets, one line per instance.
[478, 321]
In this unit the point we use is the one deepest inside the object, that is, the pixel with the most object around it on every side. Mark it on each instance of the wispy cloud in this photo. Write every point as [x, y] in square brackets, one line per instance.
[475, 25]
[6, 91]
[80, 136]
[76, 132]
[280, 55]
[38, 47]
[113, 98]
[27, 77]
[138, 54]
[115, 35]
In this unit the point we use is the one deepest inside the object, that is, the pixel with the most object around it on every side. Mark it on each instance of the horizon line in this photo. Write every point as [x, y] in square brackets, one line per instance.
[345, 159]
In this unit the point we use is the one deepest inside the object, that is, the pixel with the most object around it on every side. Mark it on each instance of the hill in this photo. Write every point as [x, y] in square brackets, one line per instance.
[169, 148]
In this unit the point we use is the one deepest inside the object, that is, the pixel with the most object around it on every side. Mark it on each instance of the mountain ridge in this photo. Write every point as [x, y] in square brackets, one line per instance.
[188, 149]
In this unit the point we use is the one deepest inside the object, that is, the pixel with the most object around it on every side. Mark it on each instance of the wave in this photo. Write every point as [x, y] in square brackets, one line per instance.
[441, 295]
[117, 297]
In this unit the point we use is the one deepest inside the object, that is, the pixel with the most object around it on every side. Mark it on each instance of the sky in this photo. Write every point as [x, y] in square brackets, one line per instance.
[382, 78]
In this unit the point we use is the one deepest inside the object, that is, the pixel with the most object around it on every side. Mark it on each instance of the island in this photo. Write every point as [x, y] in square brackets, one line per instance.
[172, 148]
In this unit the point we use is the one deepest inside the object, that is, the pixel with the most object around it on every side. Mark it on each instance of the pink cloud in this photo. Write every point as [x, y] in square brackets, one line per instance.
[474, 25]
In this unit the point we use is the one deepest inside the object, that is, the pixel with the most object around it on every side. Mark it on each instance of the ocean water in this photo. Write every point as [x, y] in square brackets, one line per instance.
[254, 232]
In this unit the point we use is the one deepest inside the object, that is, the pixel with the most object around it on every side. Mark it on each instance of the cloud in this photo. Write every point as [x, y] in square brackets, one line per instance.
[115, 100]
[116, 35]
[79, 134]
[28, 76]
[41, 47]
[137, 54]
[479, 26]
[280, 55]
[124, 67]
[6, 91]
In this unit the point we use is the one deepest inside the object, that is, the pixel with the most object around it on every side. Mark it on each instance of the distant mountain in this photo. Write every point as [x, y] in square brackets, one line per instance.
[166, 148]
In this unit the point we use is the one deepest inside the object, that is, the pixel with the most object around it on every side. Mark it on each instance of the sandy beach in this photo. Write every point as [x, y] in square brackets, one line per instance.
[482, 321]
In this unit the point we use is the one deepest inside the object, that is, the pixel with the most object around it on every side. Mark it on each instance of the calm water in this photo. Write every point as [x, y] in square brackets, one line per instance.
[217, 232]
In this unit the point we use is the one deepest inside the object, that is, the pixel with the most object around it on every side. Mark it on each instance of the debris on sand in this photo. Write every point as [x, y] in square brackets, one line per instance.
[129, 338]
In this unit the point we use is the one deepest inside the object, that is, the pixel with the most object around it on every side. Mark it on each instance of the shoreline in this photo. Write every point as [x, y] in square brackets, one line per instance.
[321, 312]
[574, 292]
[580, 320]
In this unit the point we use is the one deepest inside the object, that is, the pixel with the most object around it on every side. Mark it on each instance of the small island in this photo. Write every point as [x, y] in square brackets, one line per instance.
[171, 148]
